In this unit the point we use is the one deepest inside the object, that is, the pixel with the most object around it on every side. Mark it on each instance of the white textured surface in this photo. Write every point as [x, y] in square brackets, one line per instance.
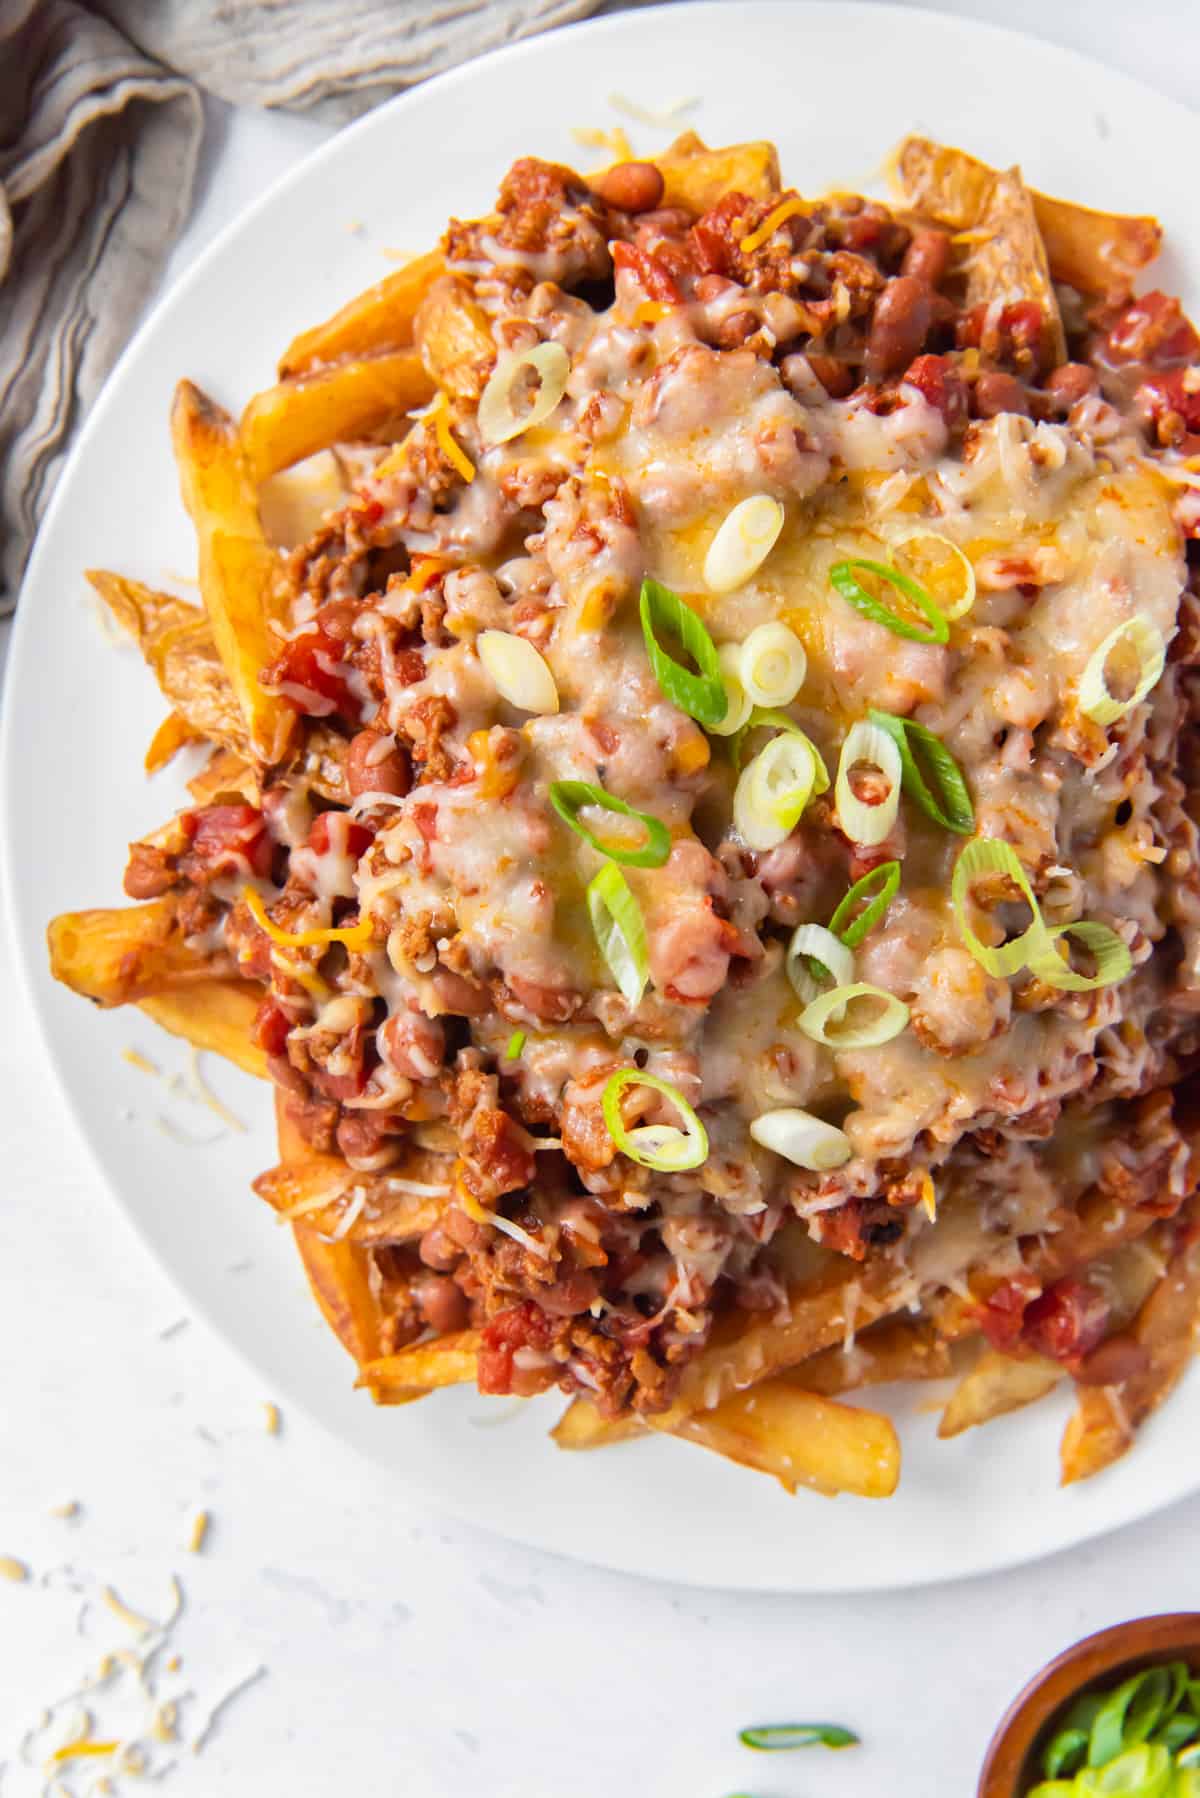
[405, 1654]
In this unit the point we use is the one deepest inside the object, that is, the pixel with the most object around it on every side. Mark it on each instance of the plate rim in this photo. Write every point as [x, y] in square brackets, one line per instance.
[1139, 1505]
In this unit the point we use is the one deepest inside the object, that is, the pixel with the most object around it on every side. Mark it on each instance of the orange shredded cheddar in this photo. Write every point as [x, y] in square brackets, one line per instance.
[355, 936]
[454, 454]
[782, 213]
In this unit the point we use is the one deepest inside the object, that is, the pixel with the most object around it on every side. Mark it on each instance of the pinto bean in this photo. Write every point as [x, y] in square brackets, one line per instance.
[365, 1143]
[1070, 383]
[926, 256]
[443, 1305]
[413, 1044]
[372, 768]
[903, 314]
[995, 392]
[438, 1250]
[630, 186]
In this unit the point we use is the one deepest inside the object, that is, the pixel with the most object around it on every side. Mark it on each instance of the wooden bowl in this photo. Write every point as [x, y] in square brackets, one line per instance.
[1010, 1766]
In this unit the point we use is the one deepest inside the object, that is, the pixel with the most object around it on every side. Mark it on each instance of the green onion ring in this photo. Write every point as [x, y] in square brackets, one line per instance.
[852, 590]
[662, 1147]
[620, 931]
[991, 855]
[853, 929]
[952, 809]
[1113, 960]
[568, 797]
[701, 696]
[777, 1737]
[515, 1044]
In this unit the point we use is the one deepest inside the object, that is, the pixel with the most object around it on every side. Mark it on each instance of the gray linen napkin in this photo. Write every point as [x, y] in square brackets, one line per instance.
[100, 127]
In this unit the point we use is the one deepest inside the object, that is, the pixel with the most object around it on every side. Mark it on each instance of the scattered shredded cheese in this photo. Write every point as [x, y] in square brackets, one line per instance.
[929, 1196]
[145, 1626]
[614, 141]
[357, 936]
[453, 452]
[780, 216]
[272, 1418]
[12, 1569]
[972, 236]
[71, 1508]
[505, 1225]
[350, 1215]
[661, 117]
[223, 1703]
[200, 1524]
[137, 1060]
[206, 1096]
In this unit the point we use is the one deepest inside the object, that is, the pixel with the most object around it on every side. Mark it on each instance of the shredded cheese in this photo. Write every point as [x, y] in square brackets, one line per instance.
[782, 213]
[77, 1750]
[200, 1524]
[71, 1508]
[973, 236]
[356, 936]
[350, 1215]
[12, 1569]
[662, 117]
[614, 141]
[453, 451]
[145, 1626]
[481, 1215]
[206, 1096]
[272, 1418]
[649, 312]
[929, 1196]
[137, 1060]
[221, 1705]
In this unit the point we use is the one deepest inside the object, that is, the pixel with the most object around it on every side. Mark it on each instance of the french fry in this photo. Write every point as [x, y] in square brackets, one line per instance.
[341, 404]
[1010, 263]
[172, 735]
[128, 953]
[696, 177]
[213, 1014]
[583, 1426]
[897, 1349]
[379, 318]
[176, 640]
[225, 772]
[425, 1367]
[339, 1274]
[455, 340]
[996, 1385]
[1092, 251]
[801, 1439]
[1107, 1419]
[238, 568]
[321, 1188]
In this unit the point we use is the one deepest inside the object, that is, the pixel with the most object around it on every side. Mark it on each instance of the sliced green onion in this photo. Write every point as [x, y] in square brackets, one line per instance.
[1141, 1772]
[852, 928]
[774, 789]
[773, 665]
[774, 1737]
[798, 1136]
[769, 718]
[738, 704]
[813, 947]
[745, 538]
[952, 808]
[516, 1043]
[956, 608]
[1139, 634]
[620, 931]
[1178, 1731]
[989, 855]
[660, 1146]
[1128, 1715]
[1053, 1788]
[568, 797]
[1111, 955]
[826, 1021]
[1065, 1752]
[701, 696]
[867, 743]
[852, 590]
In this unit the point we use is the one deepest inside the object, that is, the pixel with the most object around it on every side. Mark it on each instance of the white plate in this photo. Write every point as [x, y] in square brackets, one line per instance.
[835, 85]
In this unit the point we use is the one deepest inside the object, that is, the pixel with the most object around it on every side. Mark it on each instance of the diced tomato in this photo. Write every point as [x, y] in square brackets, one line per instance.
[651, 275]
[1003, 1316]
[225, 838]
[1177, 391]
[425, 817]
[271, 1027]
[357, 840]
[307, 668]
[937, 378]
[1153, 329]
[522, 1326]
[1067, 1321]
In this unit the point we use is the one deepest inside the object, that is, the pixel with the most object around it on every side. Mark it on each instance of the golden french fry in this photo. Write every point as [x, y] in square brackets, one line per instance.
[455, 340]
[339, 1274]
[341, 404]
[213, 1014]
[742, 1353]
[1107, 1418]
[1093, 251]
[996, 1385]
[225, 772]
[129, 952]
[425, 1367]
[898, 1349]
[801, 1439]
[175, 638]
[321, 1188]
[379, 318]
[238, 568]
[1010, 263]
[696, 177]
[582, 1426]
[172, 735]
